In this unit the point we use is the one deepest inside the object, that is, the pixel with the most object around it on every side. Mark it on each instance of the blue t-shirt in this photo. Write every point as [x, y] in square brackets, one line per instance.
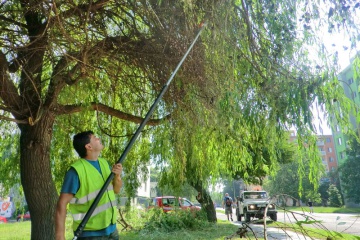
[71, 185]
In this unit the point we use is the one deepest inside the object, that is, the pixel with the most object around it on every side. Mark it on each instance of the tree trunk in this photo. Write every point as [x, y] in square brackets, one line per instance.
[36, 178]
[206, 202]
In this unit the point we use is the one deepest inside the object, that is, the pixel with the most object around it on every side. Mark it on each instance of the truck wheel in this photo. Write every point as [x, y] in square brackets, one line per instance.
[273, 217]
[247, 217]
[238, 216]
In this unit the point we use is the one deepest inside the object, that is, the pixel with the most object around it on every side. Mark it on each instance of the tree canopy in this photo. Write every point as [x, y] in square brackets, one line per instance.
[289, 182]
[68, 66]
[350, 172]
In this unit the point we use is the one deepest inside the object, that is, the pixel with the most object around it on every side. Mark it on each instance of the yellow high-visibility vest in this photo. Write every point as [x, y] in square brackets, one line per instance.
[91, 182]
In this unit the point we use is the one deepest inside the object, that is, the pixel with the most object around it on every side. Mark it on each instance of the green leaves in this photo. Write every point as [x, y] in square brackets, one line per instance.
[248, 80]
[307, 221]
[350, 171]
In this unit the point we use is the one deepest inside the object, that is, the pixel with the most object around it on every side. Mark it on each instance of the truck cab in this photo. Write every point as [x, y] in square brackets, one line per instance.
[254, 204]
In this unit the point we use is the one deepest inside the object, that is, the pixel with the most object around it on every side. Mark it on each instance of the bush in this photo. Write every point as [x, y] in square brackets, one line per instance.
[135, 217]
[334, 196]
[174, 220]
[21, 210]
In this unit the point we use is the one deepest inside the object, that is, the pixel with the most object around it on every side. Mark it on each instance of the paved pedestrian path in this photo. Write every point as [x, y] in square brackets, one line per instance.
[271, 233]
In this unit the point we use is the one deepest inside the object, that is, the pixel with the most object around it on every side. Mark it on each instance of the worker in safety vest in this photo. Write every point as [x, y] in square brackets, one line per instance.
[82, 182]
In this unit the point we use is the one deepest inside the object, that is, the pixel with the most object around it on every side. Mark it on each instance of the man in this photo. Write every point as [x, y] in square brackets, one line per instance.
[227, 204]
[310, 204]
[82, 182]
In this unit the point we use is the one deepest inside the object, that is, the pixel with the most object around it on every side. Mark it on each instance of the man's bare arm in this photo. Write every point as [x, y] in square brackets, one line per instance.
[60, 216]
[117, 182]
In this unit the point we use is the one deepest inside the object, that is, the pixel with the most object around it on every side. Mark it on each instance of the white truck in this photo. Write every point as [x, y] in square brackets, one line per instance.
[252, 204]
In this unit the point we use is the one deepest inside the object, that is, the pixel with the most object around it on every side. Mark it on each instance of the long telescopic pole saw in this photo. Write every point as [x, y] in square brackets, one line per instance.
[133, 139]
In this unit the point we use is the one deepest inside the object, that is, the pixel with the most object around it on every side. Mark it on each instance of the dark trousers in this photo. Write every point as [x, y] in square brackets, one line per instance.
[113, 236]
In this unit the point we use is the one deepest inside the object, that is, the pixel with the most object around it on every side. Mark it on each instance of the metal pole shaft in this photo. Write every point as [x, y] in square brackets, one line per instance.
[132, 140]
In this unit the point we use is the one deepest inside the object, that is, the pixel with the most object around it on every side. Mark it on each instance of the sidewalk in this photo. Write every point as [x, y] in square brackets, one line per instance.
[272, 233]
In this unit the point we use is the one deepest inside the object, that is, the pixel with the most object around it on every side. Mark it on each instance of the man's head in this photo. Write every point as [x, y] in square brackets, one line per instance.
[86, 141]
[226, 194]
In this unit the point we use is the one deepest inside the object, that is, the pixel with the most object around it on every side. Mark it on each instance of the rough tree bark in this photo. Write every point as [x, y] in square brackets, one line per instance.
[41, 195]
[205, 201]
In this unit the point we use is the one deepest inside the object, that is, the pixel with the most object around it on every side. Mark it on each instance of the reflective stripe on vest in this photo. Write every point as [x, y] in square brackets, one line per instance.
[99, 209]
[89, 197]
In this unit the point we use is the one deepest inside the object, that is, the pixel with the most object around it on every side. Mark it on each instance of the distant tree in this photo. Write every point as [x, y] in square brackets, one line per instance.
[324, 194]
[287, 181]
[165, 189]
[232, 187]
[334, 178]
[334, 196]
[350, 172]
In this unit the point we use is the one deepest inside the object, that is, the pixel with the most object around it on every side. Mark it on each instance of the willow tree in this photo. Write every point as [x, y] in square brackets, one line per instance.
[66, 66]
[261, 54]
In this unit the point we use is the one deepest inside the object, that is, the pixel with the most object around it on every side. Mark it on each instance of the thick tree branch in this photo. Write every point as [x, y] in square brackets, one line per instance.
[4, 118]
[62, 75]
[58, 80]
[8, 91]
[69, 109]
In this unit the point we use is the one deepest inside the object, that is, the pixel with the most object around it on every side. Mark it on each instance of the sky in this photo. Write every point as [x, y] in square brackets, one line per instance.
[341, 44]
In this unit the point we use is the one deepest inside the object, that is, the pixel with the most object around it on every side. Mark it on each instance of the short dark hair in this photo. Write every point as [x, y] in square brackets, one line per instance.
[80, 140]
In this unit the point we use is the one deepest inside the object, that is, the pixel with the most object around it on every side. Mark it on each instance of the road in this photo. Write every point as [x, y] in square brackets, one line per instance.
[339, 222]
[342, 223]
[271, 233]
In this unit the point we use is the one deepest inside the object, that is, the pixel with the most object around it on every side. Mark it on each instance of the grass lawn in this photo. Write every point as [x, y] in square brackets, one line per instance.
[220, 211]
[22, 231]
[216, 232]
[315, 233]
[15, 231]
[324, 209]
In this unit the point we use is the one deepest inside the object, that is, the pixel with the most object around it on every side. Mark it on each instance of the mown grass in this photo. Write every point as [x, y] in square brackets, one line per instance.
[15, 231]
[324, 209]
[315, 233]
[22, 230]
[216, 231]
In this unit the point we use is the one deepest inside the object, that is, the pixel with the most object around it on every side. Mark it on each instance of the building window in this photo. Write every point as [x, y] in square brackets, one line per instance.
[328, 140]
[332, 168]
[337, 128]
[329, 149]
[342, 155]
[339, 141]
[331, 159]
[351, 80]
[354, 94]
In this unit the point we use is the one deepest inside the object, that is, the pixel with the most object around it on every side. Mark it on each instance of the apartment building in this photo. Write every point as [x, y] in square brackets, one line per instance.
[326, 146]
[350, 86]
